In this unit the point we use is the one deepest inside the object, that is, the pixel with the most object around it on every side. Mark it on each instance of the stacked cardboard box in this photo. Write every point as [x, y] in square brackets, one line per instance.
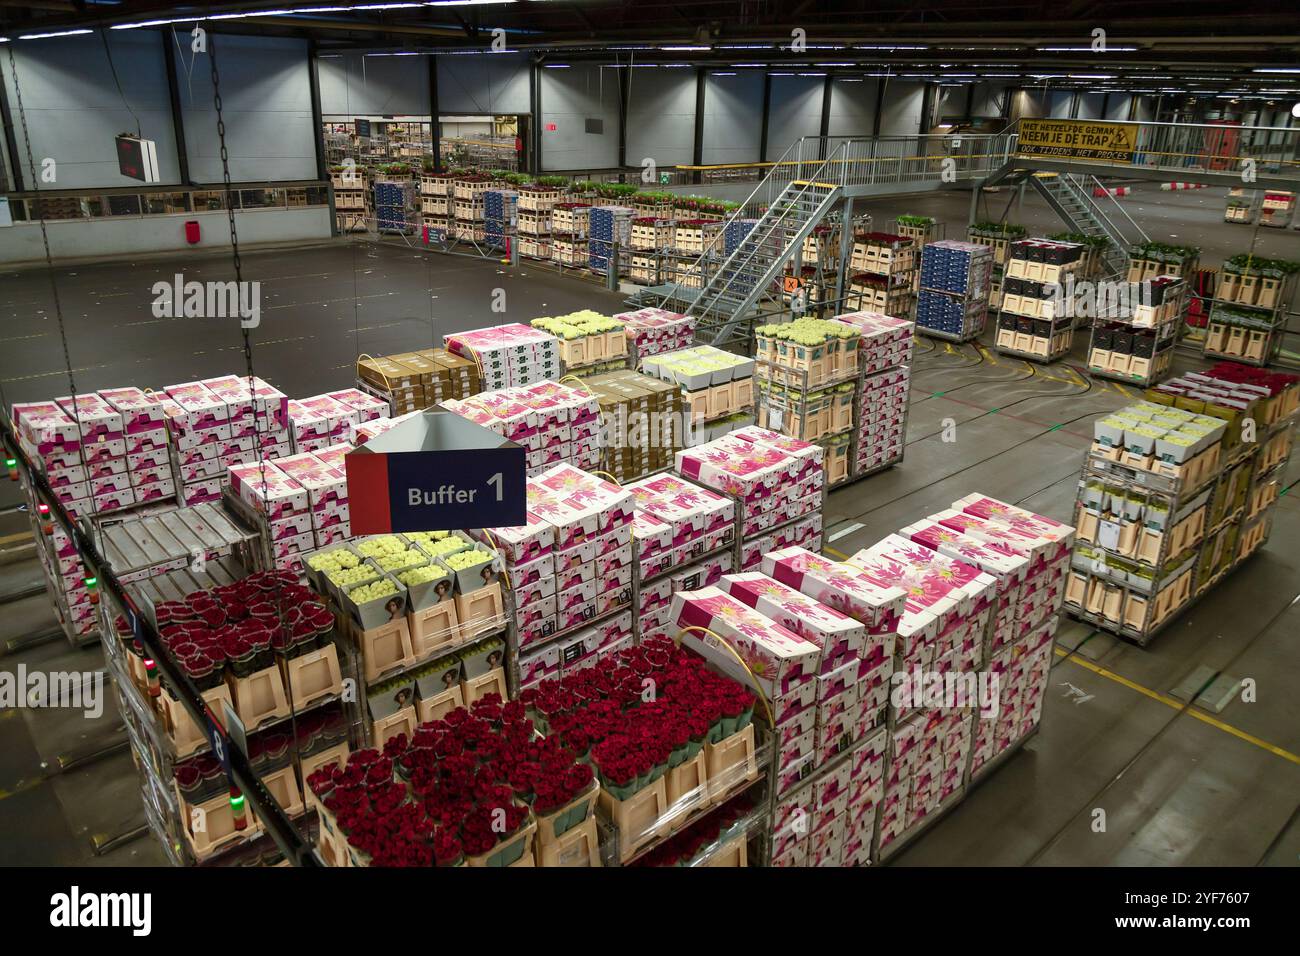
[611, 228]
[508, 355]
[778, 483]
[643, 419]
[410, 381]
[825, 674]
[1028, 555]
[680, 530]
[220, 422]
[650, 331]
[555, 423]
[283, 504]
[579, 649]
[324, 477]
[101, 435]
[572, 561]
[52, 442]
[319, 421]
[941, 631]
[884, 351]
[148, 463]
[955, 284]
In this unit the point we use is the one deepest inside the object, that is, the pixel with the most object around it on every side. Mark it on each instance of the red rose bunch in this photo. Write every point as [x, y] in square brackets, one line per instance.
[447, 849]
[234, 622]
[683, 847]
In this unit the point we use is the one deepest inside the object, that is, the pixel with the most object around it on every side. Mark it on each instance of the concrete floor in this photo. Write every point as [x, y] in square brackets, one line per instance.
[1179, 785]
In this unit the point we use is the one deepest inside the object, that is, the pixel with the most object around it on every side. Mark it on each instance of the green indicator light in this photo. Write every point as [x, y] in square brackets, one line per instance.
[237, 803]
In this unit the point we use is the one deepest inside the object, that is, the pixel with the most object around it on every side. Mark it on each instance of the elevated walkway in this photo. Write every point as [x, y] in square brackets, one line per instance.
[736, 275]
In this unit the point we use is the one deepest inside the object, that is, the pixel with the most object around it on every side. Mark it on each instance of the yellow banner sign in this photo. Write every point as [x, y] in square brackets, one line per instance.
[1077, 139]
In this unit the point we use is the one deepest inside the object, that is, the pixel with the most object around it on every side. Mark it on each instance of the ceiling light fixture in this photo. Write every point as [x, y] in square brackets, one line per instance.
[46, 36]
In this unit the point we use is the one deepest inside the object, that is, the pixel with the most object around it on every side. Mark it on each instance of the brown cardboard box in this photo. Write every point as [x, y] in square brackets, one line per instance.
[385, 374]
[462, 373]
[425, 369]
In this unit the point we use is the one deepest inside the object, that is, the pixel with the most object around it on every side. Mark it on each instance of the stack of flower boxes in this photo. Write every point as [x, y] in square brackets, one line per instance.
[611, 227]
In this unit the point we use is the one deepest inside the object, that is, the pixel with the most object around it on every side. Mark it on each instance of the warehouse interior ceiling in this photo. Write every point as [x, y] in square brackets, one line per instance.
[1195, 47]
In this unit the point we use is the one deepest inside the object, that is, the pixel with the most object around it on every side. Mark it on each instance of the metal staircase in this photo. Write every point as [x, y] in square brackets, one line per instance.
[729, 295]
[727, 289]
[1069, 194]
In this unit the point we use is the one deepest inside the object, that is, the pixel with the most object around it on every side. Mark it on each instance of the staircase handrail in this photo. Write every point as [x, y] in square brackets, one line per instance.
[1124, 212]
[782, 214]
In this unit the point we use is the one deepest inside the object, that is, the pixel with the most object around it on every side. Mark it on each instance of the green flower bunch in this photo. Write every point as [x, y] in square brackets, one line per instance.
[372, 592]
[429, 572]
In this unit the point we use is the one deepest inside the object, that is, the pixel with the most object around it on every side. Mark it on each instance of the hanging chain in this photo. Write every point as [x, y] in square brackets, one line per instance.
[248, 343]
[39, 206]
[229, 196]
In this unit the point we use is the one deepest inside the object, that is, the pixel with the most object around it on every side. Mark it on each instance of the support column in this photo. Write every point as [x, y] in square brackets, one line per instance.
[435, 131]
[767, 112]
[11, 138]
[846, 249]
[624, 95]
[927, 107]
[826, 117]
[697, 154]
[535, 103]
[318, 128]
[168, 35]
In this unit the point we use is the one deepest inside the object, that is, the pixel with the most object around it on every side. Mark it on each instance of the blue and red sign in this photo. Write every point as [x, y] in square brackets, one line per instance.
[436, 490]
[436, 472]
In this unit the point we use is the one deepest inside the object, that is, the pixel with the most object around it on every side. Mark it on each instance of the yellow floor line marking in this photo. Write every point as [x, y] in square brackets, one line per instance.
[835, 551]
[20, 787]
[1178, 705]
[20, 536]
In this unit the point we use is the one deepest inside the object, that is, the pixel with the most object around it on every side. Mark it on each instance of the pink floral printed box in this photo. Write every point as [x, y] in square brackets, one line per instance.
[199, 408]
[268, 489]
[46, 427]
[140, 412]
[316, 408]
[808, 453]
[573, 526]
[523, 543]
[326, 487]
[1005, 564]
[938, 587]
[1060, 536]
[773, 656]
[366, 406]
[580, 489]
[97, 420]
[333, 456]
[838, 635]
[690, 509]
[749, 472]
[838, 586]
